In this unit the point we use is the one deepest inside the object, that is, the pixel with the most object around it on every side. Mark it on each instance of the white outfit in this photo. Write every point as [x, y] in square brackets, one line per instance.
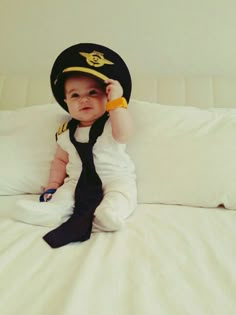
[116, 171]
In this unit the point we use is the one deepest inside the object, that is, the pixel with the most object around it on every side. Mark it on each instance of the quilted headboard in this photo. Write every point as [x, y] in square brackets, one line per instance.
[23, 90]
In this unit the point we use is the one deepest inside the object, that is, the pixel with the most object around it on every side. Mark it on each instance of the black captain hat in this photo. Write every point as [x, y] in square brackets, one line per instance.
[92, 59]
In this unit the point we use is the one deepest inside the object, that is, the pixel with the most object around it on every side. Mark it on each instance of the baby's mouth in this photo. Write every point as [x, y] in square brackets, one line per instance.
[85, 108]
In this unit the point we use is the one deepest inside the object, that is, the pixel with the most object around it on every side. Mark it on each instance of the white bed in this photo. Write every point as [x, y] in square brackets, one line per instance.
[176, 254]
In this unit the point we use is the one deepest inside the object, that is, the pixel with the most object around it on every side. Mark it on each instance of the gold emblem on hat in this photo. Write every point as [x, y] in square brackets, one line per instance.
[96, 59]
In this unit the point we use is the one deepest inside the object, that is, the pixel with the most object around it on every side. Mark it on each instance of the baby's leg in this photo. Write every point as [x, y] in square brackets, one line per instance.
[120, 200]
[51, 213]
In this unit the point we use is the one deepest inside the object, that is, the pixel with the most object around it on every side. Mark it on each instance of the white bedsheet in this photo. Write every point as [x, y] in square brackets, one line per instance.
[168, 260]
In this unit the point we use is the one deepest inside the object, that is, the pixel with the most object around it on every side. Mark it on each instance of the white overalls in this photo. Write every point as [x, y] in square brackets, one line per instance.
[115, 169]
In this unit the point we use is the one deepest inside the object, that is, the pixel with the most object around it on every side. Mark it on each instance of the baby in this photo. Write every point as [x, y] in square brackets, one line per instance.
[93, 84]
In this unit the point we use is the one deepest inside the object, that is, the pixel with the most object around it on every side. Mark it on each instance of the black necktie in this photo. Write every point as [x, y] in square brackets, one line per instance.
[88, 191]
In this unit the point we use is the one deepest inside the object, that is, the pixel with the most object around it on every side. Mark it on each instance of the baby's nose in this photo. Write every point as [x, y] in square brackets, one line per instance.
[84, 99]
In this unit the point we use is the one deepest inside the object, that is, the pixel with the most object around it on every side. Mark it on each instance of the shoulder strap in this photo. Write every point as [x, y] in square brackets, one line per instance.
[62, 129]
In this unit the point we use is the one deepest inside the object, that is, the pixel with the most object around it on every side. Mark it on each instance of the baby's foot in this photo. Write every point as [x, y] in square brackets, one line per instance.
[105, 220]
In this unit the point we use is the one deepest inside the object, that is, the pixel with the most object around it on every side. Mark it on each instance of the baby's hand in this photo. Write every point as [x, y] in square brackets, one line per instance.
[113, 90]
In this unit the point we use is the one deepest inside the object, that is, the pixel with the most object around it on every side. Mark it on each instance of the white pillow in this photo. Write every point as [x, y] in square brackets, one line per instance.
[27, 144]
[184, 155]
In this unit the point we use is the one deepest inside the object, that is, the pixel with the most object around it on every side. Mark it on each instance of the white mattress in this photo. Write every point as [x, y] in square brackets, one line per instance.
[168, 260]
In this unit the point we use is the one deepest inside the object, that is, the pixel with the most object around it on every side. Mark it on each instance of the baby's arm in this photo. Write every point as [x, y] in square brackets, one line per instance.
[58, 169]
[121, 120]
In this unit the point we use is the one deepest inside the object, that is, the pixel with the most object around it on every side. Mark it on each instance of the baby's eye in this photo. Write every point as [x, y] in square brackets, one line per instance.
[74, 95]
[93, 92]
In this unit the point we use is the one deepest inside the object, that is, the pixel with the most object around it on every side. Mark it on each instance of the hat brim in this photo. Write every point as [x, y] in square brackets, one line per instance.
[88, 71]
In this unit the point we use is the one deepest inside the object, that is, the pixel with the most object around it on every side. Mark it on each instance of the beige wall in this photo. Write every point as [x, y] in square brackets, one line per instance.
[155, 37]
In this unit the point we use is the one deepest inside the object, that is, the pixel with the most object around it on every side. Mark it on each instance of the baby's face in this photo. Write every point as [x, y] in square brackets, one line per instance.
[85, 98]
